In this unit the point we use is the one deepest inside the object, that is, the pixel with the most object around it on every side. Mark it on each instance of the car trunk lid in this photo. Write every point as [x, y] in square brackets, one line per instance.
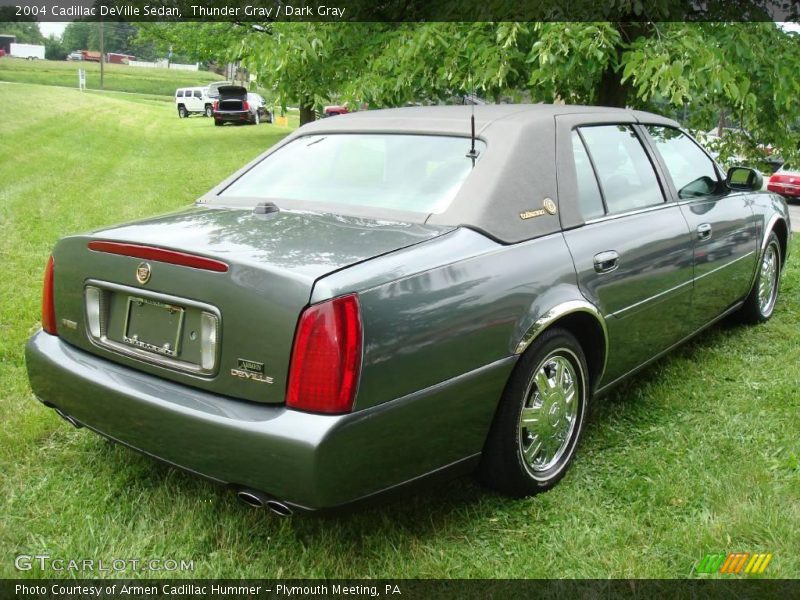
[159, 320]
[231, 98]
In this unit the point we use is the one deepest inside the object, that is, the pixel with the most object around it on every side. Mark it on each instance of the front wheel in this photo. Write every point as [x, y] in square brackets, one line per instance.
[760, 303]
[539, 419]
[256, 119]
[209, 112]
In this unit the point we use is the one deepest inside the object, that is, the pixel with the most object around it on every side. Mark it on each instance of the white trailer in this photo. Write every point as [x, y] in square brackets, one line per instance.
[29, 51]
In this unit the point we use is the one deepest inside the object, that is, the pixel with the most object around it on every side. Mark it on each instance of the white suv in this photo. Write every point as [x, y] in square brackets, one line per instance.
[193, 100]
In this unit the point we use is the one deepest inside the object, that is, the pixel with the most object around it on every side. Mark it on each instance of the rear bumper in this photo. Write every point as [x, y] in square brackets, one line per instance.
[306, 460]
[244, 116]
[785, 189]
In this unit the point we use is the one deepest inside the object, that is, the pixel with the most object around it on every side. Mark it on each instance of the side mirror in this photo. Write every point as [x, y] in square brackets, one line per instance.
[744, 179]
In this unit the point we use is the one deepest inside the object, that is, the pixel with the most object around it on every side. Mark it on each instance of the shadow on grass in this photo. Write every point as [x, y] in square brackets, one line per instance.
[425, 511]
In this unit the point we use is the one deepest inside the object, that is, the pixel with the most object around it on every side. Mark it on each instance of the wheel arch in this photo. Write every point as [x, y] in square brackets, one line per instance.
[583, 320]
[779, 226]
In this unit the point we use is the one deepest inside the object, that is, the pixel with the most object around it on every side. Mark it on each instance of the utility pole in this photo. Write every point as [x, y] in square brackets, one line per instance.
[102, 56]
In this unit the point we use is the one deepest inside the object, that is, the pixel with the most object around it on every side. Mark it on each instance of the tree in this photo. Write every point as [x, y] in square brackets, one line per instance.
[695, 71]
[744, 69]
[27, 32]
[311, 63]
[194, 42]
[54, 49]
[76, 36]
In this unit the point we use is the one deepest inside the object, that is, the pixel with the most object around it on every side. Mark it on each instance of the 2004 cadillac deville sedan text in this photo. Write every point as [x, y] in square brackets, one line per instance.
[380, 297]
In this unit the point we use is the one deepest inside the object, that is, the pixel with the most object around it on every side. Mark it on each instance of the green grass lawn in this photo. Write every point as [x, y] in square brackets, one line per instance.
[120, 78]
[698, 454]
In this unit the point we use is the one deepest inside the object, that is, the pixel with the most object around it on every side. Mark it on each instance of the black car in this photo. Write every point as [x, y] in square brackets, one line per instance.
[236, 105]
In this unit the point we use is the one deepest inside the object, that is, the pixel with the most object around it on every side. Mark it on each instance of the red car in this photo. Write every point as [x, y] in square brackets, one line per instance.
[332, 111]
[785, 181]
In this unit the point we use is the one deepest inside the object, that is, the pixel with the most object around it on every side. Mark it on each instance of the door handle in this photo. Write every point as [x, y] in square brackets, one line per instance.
[605, 262]
[704, 231]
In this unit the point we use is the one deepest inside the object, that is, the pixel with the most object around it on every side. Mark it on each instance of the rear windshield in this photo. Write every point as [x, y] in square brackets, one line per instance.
[417, 173]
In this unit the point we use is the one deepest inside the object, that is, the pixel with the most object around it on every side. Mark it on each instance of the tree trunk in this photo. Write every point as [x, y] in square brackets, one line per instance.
[612, 92]
[307, 114]
[721, 124]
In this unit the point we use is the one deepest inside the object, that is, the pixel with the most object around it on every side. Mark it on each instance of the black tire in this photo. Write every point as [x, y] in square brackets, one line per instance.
[760, 302]
[182, 112]
[218, 123]
[256, 119]
[209, 111]
[504, 466]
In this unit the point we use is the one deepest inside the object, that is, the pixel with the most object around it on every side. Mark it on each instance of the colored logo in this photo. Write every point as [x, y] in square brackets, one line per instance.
[143, 273]
[735, 563]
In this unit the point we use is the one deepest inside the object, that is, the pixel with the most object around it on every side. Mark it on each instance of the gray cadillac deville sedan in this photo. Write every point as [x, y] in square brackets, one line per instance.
[384, 296]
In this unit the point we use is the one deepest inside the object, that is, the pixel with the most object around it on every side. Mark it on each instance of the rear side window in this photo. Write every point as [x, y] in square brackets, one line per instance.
[692, 171]
[590, 202]
[179, 94]
[626, 175]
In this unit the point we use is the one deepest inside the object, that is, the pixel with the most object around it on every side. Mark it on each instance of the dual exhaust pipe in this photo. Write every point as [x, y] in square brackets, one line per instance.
[251, 498]
[256, 499]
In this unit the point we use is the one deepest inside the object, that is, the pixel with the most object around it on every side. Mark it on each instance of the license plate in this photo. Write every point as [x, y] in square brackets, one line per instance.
[154, 326]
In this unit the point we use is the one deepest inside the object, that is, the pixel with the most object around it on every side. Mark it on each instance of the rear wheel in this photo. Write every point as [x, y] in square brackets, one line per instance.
[760, 303]
[218, 123]
[256, 119]
[182, 112]
[539, 419]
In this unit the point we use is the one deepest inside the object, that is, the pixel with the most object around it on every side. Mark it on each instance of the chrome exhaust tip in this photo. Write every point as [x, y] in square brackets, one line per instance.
[279, 508]
[256, 499]
[251, 498]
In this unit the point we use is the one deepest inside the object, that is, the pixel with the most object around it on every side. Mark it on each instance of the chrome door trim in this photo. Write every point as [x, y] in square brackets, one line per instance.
[660, 206]
[727, 264]
[651, 360]
[651, 298]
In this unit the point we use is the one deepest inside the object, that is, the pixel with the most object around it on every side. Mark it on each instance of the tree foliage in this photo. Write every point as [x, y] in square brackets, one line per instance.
[696, 72]
[27, 32]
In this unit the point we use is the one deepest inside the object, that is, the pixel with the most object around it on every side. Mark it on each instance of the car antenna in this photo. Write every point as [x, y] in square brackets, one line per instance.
[472, 154]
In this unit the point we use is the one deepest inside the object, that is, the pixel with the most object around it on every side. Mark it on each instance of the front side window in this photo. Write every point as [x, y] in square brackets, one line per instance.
[692, 171]
[627, 178]
[418, 173]
[197, 94]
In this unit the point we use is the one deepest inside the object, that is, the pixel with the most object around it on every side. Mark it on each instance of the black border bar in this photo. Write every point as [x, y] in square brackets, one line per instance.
[400, 10]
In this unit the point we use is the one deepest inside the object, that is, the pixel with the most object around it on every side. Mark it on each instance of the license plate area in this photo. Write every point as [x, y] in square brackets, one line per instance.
[172, 332]
[154, 326]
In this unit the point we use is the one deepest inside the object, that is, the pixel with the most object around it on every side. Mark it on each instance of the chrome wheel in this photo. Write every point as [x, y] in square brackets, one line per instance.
[549, 413]
[768, 280]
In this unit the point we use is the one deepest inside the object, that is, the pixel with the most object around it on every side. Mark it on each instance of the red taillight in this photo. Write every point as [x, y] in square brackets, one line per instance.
[245, 105]
[48, 301]
[326, 359]
[216, 105]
